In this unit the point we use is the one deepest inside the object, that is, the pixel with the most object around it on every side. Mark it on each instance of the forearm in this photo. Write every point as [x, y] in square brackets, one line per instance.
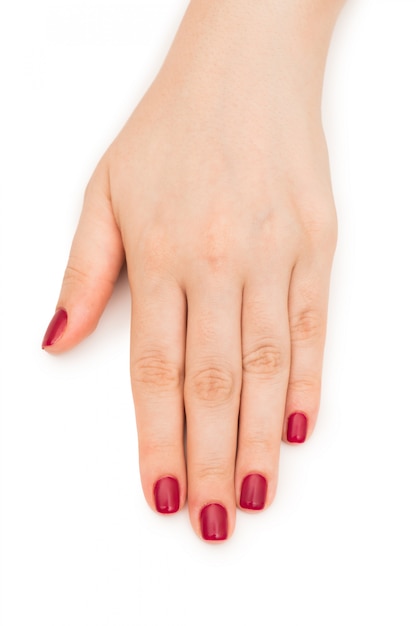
[269, 45]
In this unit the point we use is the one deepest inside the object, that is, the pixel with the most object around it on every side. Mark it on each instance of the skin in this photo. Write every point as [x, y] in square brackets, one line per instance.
[217, 193]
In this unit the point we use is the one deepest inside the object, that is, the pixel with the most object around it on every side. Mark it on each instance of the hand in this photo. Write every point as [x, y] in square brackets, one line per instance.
[217, 193]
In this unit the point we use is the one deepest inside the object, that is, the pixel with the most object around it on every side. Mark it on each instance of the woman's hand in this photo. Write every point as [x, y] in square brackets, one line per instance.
[217, 192]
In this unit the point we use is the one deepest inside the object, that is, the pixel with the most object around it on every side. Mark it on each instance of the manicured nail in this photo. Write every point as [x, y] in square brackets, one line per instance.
[253, 492]
[167, 495]
[214, 522]
[55, 329]
[297, 425]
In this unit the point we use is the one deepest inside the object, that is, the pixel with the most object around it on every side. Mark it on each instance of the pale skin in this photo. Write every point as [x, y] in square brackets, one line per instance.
[217, 194]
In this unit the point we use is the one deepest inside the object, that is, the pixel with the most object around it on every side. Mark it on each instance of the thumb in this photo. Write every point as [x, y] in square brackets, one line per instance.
[94, 264]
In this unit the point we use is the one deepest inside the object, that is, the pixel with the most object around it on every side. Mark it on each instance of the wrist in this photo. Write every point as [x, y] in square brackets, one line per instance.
[278, 44]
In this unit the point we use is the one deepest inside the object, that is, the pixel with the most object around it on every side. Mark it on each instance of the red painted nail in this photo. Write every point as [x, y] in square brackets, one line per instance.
[55, 329]
[297, 426]
[253, 492]
[167, 495]
[214, 522]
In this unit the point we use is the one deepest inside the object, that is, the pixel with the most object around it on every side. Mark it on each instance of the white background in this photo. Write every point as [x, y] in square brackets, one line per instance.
[80, 545]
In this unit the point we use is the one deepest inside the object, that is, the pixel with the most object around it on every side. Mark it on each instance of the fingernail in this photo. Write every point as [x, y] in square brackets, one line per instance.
[253, 492]
[214, 522]
[167, 495]
[297, 425]
[55, 329]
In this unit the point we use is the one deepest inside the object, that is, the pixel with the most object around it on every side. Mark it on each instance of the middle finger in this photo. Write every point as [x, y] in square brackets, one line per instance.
[212, 394]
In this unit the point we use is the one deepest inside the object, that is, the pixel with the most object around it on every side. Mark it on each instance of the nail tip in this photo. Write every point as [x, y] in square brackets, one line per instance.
[251, 506]
[296, 439]
[167, 495]
[215, 538]
[214, 522]
[55, 329]
[165, 511]
[253, 492]
[297, 426]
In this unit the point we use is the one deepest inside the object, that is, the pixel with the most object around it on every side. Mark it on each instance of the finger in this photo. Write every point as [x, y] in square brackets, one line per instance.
[94, 264]
[157, 366]
[265, 364]
[308, 299]
[212, 392]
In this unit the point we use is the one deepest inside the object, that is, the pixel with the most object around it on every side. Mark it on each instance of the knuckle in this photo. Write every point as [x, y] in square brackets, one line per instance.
[321, 232]
[319, 225]
[214, 257]
[78, 275]
[215, 244]
[213, 469]
[212, 385]
[307, 325]
[317, 218]
[305, 385]
[260, 443]
[151, 445]
[74, 276]
[154, 373]
[266, 360]
[157, 250]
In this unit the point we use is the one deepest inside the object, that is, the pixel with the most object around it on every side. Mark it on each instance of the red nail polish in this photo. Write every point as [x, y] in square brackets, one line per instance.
[297, 426]
[167, 495]
[55, 329]
[253, 492]
[214, 522]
